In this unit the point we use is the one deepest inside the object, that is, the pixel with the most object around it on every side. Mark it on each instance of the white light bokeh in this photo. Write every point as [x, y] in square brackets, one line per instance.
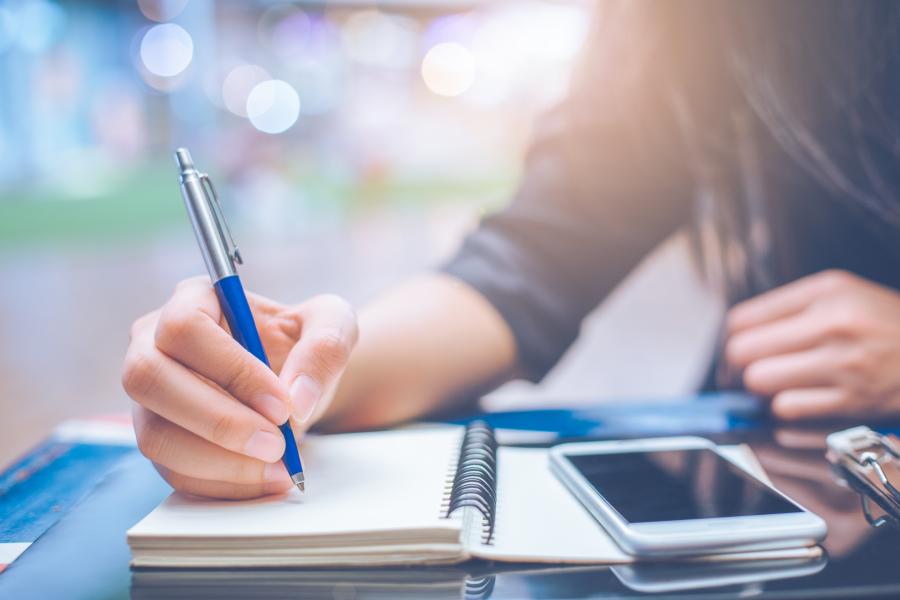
[166, 50]
[448, 69]
[525, 52]
[238, 84]
[273, 106]
[373, 38]
[161, 10]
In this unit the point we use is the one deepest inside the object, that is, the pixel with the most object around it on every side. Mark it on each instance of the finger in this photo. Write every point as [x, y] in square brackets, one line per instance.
[809, 403]
[328, 336]
[170, 390]
[181, 451]
[219, 489]
[189, 331]
[142, 323]
[812, 368]
[782, 336]
[781, 302]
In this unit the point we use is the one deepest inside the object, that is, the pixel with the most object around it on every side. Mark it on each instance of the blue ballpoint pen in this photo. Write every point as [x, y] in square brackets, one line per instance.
[221, 256]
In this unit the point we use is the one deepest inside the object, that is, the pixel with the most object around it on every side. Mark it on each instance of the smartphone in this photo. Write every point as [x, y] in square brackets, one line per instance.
[680, 496]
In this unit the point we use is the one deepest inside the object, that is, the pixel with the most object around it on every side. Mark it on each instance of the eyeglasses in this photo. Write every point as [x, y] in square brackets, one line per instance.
[861, 458]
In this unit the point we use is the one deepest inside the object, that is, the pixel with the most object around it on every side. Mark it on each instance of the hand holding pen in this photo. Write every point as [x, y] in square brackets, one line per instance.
[208, 411]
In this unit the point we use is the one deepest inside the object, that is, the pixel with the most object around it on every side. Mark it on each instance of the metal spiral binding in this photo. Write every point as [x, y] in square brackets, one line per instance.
[473, 481]
[479, 588]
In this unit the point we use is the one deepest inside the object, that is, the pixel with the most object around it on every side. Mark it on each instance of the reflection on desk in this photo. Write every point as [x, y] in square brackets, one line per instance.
[477, 581]
[327, 584]
[673, 577]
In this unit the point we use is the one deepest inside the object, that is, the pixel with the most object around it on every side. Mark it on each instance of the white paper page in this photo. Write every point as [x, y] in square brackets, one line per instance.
[355, 483]
[539, 520]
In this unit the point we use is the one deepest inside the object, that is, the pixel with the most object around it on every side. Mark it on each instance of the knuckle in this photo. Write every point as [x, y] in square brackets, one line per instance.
[141, 373]
[174, 326]
[857, 365]
[336, 305]
[240, 376]
[249, 472]
[333, 301]
[835, 279]
[189, 282]
[138, 325]
[330, 350]
[223, 430]
[844, 321]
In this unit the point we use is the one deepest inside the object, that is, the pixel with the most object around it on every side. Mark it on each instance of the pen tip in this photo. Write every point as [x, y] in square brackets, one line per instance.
[299, 481]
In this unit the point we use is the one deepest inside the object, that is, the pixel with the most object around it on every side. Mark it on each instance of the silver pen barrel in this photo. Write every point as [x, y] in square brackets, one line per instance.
[207, 228]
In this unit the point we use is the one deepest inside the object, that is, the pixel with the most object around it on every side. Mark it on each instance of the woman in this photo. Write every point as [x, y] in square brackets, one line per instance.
[771, 130]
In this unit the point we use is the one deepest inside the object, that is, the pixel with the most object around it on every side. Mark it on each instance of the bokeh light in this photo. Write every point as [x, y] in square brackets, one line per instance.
[448, 69]
[166, 49]
[161, 10]
[96, 94]
[524, 53]
[238, 84]
[285, 30]
[273, 106]
[40, 25]
[373, 38]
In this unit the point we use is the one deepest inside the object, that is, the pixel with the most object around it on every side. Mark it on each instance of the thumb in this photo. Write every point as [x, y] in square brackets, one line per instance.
[328, 335]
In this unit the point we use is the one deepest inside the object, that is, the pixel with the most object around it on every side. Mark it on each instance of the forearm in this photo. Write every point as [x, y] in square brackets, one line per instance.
[422, 346]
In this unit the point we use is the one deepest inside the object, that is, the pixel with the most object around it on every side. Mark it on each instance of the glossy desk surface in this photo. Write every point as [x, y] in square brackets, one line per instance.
[85, 554]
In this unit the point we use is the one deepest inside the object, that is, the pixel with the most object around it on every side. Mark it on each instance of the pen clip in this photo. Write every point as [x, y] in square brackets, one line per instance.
[230, 246]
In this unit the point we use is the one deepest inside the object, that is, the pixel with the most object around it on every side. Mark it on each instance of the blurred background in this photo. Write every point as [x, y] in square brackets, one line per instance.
[352, 144]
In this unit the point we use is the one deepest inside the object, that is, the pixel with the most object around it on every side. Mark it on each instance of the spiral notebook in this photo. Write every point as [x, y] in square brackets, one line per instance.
[422, 496]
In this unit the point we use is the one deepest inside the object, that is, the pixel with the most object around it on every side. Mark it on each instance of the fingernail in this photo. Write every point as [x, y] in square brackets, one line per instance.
[276, 473]
[273, 409]
[305, 393]
[265, 446]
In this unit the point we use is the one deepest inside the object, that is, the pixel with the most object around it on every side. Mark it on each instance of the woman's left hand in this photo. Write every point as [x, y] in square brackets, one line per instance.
[826, 345]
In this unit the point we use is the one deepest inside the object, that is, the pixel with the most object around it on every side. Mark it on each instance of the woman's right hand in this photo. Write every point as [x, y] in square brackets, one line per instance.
[207, 411]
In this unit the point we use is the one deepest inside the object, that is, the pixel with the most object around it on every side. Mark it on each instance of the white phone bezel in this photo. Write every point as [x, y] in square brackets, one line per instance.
[693, 536]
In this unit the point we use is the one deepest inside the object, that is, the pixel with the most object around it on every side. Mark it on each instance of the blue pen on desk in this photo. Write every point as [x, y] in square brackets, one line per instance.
[221, 254]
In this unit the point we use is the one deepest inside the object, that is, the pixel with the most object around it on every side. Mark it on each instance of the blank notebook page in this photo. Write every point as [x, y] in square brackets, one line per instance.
[357, 483]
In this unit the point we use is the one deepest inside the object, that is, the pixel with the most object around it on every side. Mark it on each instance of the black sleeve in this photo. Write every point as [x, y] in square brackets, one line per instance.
[605, 181]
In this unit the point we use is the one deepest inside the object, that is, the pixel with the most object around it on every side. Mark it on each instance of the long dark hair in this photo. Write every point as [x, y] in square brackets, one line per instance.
[824, 77]
[811, 88]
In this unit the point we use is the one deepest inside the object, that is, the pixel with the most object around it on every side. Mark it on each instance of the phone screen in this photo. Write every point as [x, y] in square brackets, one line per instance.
[674, 485]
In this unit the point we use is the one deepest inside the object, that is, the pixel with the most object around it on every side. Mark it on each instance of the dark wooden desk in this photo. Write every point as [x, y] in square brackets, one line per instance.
[85, 555]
